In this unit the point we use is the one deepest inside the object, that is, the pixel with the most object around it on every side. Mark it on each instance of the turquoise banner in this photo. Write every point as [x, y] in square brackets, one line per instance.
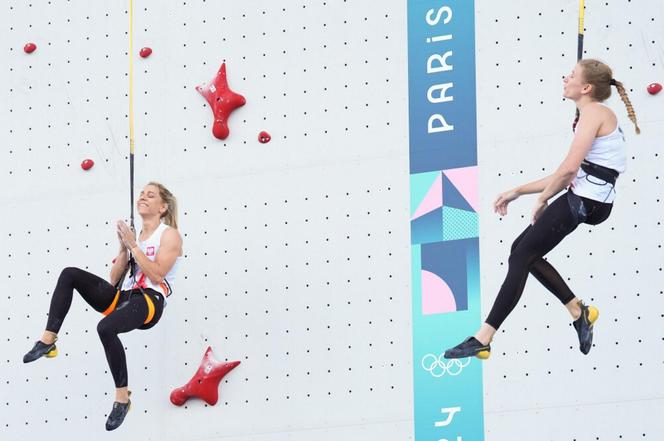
[444, 223]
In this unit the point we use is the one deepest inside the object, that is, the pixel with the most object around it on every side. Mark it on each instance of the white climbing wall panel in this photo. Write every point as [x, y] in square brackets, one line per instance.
[538, 386]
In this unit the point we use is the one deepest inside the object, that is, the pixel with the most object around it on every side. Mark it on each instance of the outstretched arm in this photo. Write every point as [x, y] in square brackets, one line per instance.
[534, 187]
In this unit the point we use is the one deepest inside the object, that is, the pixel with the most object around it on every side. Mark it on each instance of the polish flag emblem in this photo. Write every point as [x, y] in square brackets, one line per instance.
[150, 251]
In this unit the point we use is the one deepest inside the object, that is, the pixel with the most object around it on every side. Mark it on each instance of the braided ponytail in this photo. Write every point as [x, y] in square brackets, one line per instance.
[630, 109]
[600, 76]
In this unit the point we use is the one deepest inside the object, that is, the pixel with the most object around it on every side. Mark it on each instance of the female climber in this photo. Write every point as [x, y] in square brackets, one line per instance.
[133, 302]
[595, 159]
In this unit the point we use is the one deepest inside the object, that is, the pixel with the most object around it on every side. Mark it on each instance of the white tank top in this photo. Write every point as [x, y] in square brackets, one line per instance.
[150, 248]
[608, 151]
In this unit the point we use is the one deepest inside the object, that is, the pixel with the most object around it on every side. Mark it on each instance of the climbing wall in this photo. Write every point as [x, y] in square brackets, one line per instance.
[297, 255]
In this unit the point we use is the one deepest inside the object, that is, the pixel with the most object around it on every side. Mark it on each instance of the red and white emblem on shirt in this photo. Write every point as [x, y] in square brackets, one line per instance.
[149, 251]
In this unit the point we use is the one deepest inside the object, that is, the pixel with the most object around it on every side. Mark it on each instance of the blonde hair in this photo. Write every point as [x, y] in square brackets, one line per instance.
[600, 76]
[170, 216]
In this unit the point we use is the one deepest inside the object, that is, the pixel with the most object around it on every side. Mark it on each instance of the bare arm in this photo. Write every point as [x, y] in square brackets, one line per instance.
[549, 186]
[170, 247]
[119, 265]
[533, 187]
[589, 125]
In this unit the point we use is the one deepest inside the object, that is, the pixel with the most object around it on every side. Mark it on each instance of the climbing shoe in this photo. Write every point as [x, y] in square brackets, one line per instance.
[470, 347]
[39, 350]
[118, 414]
[584, 326]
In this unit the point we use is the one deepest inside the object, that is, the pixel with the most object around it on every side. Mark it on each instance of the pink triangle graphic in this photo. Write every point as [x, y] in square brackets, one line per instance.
[465, 181]
[432, 200]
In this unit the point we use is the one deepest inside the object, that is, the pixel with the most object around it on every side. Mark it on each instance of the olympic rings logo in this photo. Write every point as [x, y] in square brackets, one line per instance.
[437, 366]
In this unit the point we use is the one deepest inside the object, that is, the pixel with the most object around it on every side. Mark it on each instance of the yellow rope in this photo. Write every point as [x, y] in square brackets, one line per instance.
[581, 16]
[131, 77]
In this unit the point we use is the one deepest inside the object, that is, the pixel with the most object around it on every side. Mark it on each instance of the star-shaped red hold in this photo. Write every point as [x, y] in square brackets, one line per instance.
[205, 382]
[222, 100]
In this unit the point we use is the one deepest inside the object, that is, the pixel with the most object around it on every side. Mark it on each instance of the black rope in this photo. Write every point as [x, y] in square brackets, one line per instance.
[579, 54]
[132, 261]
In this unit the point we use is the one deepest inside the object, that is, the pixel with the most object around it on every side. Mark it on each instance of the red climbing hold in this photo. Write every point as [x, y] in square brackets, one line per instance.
[222, 100]
[205, 382]
[87, 164]
[145, 52]
[654, 88]
[29, 48]
[264, 137]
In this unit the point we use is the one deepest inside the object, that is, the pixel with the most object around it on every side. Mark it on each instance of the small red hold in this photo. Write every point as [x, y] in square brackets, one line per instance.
[654, 88]
[264, 137]
[29, 48]
[145, 52]
[87, 164]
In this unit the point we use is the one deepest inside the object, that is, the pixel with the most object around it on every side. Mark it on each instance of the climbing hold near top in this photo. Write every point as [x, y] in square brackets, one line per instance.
[145, 52]
[222, 100]
[264, 137]
[87, 164]
[29, 48]
[654, 88]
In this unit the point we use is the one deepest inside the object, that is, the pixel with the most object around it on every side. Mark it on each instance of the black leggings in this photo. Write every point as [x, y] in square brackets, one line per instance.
[557, 221]
[129, 314]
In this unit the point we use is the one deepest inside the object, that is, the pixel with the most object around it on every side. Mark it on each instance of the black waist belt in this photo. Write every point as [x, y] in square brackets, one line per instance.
[599, 171]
